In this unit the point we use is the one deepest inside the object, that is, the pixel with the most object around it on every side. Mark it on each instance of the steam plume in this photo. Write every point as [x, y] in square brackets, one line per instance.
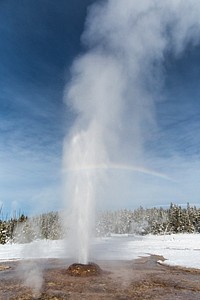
[113, 91]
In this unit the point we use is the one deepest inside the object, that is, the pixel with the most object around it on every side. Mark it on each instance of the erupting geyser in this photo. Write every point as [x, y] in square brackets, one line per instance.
[83, 151]
[112, 91]
[88, 146]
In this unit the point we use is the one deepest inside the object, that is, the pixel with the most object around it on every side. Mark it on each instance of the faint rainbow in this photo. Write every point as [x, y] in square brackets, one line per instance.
[123, 167]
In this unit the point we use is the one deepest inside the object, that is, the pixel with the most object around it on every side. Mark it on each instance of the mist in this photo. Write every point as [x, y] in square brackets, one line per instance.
[114, 88]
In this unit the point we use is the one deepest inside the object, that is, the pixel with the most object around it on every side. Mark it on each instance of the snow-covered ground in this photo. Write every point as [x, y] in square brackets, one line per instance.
[179, 249]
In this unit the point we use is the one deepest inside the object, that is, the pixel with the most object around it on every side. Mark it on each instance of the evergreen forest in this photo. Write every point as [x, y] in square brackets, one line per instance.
[142, 221]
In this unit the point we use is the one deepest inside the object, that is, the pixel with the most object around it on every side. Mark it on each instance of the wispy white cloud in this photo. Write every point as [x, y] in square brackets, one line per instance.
[29, 177]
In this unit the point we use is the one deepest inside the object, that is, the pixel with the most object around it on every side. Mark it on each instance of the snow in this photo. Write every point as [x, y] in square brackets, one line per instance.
[178, 250]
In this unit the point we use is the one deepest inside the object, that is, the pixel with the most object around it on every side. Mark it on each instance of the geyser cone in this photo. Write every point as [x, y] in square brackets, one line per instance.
[82, 270]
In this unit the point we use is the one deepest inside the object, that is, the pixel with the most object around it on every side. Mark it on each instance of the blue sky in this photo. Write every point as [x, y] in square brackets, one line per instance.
[38, 40]
[38, 43]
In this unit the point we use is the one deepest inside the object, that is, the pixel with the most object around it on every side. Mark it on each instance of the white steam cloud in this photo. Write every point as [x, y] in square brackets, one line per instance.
[31, 275]
[113, 91]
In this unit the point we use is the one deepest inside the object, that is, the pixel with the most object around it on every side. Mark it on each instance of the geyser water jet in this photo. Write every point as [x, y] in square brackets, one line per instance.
[84, 148]
[113, 91]
[87, 144]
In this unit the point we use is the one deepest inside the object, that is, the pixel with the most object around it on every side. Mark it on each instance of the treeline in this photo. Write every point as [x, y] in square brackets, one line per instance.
[25, 230]
[7, 228]
[141, 221]
[175, 219]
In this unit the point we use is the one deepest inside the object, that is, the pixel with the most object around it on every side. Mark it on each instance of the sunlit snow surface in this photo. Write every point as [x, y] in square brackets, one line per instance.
[181, 249]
